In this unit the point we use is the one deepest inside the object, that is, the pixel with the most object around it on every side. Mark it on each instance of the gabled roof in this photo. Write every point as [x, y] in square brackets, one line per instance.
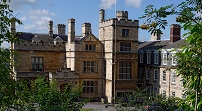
[80, 39]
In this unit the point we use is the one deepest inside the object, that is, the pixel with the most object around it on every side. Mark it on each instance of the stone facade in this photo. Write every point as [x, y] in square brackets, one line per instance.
[155, 57]
[106, 67]
[120, 39]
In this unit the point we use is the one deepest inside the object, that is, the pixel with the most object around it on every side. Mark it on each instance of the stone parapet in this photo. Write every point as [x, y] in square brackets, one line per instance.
[121, 22]
[39, 46]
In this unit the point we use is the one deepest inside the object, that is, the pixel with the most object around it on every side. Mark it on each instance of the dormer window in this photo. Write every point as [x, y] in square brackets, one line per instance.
[36, 39]
[164, 59]
[174, 59]
[58, 40]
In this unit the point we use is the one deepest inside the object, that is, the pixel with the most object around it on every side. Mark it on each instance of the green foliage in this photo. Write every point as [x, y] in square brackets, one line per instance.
[45, 96]
[188, 14]
[19, 95]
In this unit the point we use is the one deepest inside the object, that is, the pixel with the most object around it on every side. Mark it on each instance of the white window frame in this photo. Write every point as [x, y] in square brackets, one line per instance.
[148, 72]
[148, 58]
[141, 57]
[156, 58]
[174, 59]
[164, 93]
[173, 77]
[164, 58]
[173, 94]
[155, 74]
[164, 76]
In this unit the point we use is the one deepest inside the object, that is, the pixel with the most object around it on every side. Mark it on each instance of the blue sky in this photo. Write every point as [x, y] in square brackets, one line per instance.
[35, 14]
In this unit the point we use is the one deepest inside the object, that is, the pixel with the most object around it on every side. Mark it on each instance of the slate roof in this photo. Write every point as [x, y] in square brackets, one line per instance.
[43, 37]
[152, 45]
[176, 44]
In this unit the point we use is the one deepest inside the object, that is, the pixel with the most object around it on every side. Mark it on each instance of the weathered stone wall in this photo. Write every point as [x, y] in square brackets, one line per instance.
[52, 60]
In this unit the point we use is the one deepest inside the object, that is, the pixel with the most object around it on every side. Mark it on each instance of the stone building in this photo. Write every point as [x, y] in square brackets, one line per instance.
[119, 37]
[106, 67]
[155, 57]
[171, 84]
[42, 55]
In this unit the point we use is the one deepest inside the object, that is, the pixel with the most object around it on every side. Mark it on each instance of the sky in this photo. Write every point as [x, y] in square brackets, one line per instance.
[35, 14]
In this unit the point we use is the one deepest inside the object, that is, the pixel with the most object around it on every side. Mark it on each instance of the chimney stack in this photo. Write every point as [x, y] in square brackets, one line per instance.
[71, 30]
[61, 29]
[175, 32]
[13, 28]
[121, 14]
[50, 24]
[155, 37]
[102, 15]
[86, 29]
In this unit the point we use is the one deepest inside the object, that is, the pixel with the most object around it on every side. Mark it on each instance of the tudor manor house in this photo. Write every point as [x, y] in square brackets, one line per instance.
[106, 66]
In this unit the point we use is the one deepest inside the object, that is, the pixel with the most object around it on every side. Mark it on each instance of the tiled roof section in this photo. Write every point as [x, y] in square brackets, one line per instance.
[44, 37]
[153, 45]
[176, 44]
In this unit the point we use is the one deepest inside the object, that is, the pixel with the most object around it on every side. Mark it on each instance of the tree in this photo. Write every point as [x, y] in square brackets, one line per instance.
[18, 94]
[189, 58]
[45, 96]
[7, 84]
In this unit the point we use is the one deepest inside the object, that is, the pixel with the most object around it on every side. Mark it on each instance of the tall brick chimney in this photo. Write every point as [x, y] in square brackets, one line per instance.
[71, 30]
[61, 29]
[50, 24]
[175, 32]
[86, 29]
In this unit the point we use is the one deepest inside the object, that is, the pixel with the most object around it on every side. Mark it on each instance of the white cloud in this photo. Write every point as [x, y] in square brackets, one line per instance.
[20, 4]
[37, 20]
[106, 4]
[134, 3]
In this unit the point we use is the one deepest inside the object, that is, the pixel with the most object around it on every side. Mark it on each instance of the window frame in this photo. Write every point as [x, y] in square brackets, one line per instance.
[90, 66]
[164, 58]
[173, 77]
[90, 47]
[148, 74]
[125, 70]
[174, 59]
[90, 87]
[173, 94]
[156, 58]
[36, 63]
[125, 47]
[148, 57]
[155, 74]
[163, 93]
[125, 32]
[164, 76]
[141, 57]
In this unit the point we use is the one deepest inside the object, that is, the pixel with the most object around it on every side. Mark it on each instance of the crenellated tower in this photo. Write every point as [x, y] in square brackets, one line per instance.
[120, 40]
